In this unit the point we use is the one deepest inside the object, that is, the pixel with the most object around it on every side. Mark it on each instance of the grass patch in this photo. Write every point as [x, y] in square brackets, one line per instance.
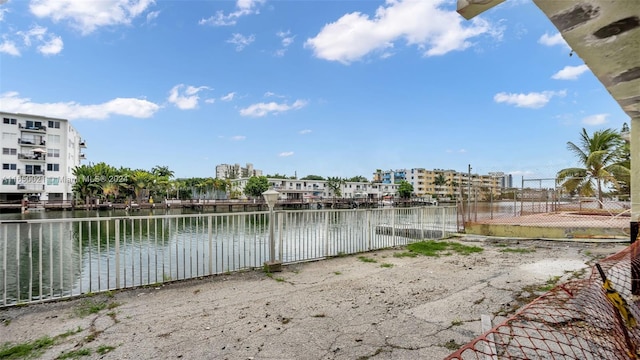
[451, 345]
[386, 265]
[433, 248]
[28, 350]
[103, 349]
[405, 254]
[366, 259]
[337, 273]
[456, 322]
[70, 332]
[89, 307]
[517, 250]
[550, 284]
[74, 354]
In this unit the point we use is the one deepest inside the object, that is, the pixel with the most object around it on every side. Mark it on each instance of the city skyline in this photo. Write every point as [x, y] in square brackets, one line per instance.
[330, 88]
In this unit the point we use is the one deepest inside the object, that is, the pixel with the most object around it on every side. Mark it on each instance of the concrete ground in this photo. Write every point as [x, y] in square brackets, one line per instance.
[367, 306]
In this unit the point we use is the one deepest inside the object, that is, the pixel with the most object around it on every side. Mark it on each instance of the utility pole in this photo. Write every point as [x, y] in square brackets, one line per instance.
[469, 194]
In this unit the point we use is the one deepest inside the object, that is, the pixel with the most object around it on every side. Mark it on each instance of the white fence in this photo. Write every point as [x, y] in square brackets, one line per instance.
[58, 258]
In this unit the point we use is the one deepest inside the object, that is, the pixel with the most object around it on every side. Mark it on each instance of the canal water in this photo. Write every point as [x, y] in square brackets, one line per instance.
[56, 254]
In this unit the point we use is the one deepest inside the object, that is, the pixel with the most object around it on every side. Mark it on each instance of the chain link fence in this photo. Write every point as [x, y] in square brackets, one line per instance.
[543, 202]
[594, 318]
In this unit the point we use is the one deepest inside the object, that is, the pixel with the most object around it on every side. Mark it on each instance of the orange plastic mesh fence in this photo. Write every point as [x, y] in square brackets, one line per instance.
[575, 320]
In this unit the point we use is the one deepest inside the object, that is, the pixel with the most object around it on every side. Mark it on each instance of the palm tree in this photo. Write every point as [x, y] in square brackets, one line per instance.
[141, 180]
[162, 171]
[86, 184]
[603, 165]
[439, 181]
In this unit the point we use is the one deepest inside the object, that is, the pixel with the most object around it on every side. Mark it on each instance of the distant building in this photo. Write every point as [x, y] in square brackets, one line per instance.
[424, 182]
[309, 190]
[38, 157]
[226, 171]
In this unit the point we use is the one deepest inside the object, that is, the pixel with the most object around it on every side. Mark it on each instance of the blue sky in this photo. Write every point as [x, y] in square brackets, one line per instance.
[329, 87]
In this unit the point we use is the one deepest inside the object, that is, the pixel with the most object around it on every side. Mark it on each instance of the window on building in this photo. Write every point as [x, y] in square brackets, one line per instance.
[53, 181]
[9, 166]
[9, 121]
[53, 139]
[33, 170]
[53, 153]
[53, 167]
[54, 124]
[9, 151]
[9, 136]
[33, 124]
[9, 181]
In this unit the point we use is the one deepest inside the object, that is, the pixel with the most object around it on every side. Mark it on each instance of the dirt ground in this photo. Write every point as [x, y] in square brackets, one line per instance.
[340, 308]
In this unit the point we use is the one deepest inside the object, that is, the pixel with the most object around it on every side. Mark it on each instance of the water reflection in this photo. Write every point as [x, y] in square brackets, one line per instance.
[53, 256]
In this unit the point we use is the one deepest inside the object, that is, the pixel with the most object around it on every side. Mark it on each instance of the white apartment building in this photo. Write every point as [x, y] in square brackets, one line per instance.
[235, 171]
[310, 190]
[38, 157]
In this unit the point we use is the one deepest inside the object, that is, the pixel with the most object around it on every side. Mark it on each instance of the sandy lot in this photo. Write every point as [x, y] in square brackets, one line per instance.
[341, 308]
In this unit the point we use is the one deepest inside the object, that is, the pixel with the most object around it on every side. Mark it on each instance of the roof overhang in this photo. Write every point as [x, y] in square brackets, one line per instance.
[606, 35]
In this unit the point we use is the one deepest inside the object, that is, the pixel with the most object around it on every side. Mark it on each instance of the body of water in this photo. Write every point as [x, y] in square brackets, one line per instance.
[57, 254]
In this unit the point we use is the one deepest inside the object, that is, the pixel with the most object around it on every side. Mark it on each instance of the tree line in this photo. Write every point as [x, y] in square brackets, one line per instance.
[604, 163]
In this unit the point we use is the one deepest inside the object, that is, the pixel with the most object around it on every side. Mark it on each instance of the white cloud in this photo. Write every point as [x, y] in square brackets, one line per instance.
[228, 97]
[87, 16]
[272, 94]
[286, 40]
[47, 43]
[210, 101]
[241, 41]
[597, 119]
[2, 11]
[243, 8]
[286, 153]
[188, 99]
[533, 100]
[570, 72]
[422, 23]
[262, 109]
[9, 47]
[305, 131]
[552, 40]
[238, 138]
[139, 108]
[152, 16]
[52, 47]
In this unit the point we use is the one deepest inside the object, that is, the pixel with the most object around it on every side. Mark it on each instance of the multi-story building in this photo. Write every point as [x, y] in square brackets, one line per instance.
[309, 190]
[38, 157]
[443, 183]
[226, 171]
[390, 176]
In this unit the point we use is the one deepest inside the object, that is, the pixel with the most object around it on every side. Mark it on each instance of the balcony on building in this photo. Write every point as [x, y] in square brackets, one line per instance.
[32, 141]
[30, 188]
[29, 127]
[83, 143]
[35, 170]
[83, 156]
[32, 156]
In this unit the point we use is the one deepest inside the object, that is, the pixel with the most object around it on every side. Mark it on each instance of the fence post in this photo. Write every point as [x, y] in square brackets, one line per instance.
[444, 221]
[368, 229]
[635, 255]
[210, 236]
[117, 252]
[280, 233]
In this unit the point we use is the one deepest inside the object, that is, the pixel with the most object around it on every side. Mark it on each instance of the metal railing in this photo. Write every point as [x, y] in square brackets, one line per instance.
[57, 258]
